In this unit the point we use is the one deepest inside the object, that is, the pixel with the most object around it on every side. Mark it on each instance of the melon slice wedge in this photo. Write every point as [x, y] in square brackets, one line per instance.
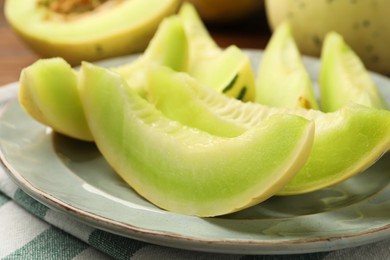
[227, 70]
[344, 78]
[168, 47]
[48, 93]
[182, 169]
[282, 79]
[346, 142]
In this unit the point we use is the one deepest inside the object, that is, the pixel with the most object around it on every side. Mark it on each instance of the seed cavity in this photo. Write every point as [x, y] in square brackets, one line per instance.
[71, 6]
[304, 102]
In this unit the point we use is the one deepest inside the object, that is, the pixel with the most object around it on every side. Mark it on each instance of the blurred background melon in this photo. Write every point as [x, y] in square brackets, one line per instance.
[364, 24]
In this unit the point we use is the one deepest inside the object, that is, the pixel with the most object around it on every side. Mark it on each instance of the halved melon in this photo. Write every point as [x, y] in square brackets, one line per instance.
[344, 78]
[182, 169]
[114, 28]
[48, 92]
[226, 70]
[346, 142]
[282, 79]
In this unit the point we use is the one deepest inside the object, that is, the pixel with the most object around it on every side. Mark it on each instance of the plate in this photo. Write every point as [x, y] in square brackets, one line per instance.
[72, 176]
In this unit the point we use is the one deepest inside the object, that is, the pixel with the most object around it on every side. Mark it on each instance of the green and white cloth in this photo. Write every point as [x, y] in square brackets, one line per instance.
[30, 230]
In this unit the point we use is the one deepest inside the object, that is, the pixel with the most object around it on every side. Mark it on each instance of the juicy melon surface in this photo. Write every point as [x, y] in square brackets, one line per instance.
[346, 142]
[182, 169]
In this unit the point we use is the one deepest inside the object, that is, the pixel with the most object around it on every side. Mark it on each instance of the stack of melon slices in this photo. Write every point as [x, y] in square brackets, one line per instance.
[186, 141]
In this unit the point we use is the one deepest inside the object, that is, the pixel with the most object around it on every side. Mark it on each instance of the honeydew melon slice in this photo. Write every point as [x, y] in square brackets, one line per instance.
[344, 78]
[182, 169]
[168, 47]
[48, 92]
[346, 142]
[227, 70]
[282, 80]
[197, 31]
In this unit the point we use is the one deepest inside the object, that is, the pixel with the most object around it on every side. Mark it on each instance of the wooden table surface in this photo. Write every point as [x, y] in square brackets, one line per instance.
[15, 55]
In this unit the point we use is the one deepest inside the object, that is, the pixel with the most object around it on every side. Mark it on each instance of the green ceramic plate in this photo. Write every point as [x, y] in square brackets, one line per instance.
[71, 176]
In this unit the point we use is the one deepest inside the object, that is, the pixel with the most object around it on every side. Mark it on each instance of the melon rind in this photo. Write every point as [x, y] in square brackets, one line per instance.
[182, 169]
[346, 142]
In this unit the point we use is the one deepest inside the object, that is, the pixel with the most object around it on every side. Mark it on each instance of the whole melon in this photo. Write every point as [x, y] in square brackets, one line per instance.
[364, 24]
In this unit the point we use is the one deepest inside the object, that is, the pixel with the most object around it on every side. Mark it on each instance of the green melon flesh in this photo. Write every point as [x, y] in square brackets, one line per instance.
[182, 169]
[201, 42]
[344, 78]
[228, 71]
[48, 92]
[181, 104]
[168, 47]
[282, 80]
[346, 142]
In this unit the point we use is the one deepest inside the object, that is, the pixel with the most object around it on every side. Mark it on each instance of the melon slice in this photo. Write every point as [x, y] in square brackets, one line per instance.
[344, 78]
[114, 28]
[346, 142]
[182, 169]
[227, 70]
[168, 47]
[48, 93]
[282, 79]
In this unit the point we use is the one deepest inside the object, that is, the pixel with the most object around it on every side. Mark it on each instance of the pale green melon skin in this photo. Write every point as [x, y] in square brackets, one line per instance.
[182, 169]
[49, 93]
[346, 142]
[344, 78]
[282, 79]
[123, 29]
[227, 70]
